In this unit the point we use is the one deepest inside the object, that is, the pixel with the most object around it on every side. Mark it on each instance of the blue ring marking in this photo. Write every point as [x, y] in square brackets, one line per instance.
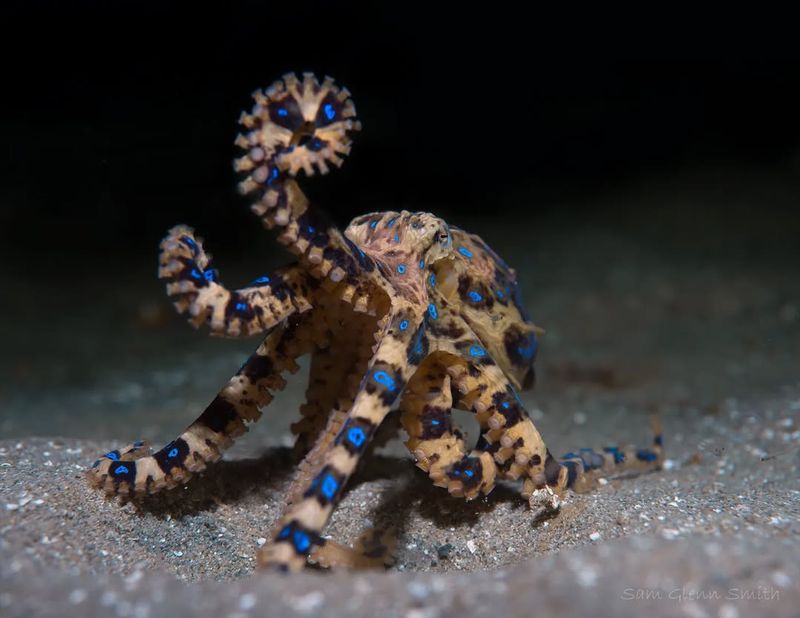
[316, 144]
[505, 405]
[432, 311]
[465, 252]
[528, 351]
[209, 275]
[477, 351]
[173, 453]
[196, 274]
[263, 279]
[500, 294]
[356, 436]
[138, 444]
[311, 229]
[569, 455]
[436, 422]
[373, 224]
[283, 112]
[190, 243]
[658, 440]
[456, 472]
[572, 472]
[401, 268]
[422, 264]
[381, 377]
[330, 111]
[644, 454]
[403, 324]
[273, 176]
[284, 533]
[469, 473]
[241, 306]
[397, 237]
[301, 541]
[432, 280]
[391, 222]
[329, 486]
[619, 457]
[121, 470]
[112, 455]
[475, 296]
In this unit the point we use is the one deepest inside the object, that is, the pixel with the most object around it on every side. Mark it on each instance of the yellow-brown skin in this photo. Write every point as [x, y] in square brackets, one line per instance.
[401, 307]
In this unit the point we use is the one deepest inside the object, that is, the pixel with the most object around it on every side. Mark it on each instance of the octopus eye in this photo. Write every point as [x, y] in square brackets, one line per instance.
[444, 236]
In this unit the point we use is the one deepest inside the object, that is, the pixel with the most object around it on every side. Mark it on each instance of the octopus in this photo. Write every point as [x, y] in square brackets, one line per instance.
[401, 310]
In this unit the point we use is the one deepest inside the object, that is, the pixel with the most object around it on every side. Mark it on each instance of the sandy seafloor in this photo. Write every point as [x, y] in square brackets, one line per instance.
[646, 310]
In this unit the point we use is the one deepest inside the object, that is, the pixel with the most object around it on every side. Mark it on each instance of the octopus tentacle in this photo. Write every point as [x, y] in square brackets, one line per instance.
[300, 124]
[373, 549]
[134, 471]
[389, 369]
[196, 290]
[479, 384]
[335, 372]
[579, 470]
[509, 434]
[437, 446]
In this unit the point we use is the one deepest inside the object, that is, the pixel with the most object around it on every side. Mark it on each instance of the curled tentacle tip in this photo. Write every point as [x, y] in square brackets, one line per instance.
[296, 124]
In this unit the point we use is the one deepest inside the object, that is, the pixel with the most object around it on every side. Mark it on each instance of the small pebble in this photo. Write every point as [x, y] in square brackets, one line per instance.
[595, 536]
[443, 551]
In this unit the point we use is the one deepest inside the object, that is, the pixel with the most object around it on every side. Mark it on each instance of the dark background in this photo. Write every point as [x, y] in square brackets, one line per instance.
[118, 123]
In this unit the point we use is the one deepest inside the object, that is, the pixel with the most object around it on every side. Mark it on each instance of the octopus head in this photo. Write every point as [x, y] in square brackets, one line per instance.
[402, 239]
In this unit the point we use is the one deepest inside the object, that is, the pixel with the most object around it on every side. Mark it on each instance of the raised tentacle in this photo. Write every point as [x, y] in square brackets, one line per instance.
[391, 366]
[300, 124]
[133, 471]
[196, 290]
